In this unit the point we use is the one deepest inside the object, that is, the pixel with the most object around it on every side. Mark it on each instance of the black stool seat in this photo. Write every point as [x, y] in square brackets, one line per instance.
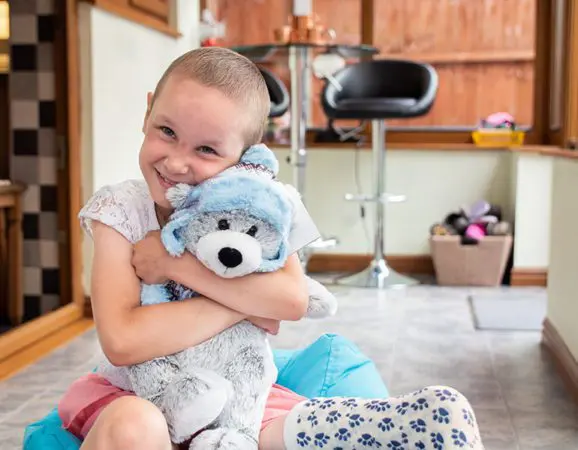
[277, 93]
[380, 89]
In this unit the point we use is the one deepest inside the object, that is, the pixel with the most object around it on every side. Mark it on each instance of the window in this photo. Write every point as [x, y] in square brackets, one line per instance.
[156, 14]
[485, 51]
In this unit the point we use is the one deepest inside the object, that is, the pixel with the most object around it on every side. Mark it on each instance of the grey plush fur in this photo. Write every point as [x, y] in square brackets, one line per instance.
[215, 392]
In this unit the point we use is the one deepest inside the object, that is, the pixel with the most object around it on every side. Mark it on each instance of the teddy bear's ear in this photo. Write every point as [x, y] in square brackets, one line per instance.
[261, 155]
[270, 265]
[181, 195]
[170, 232]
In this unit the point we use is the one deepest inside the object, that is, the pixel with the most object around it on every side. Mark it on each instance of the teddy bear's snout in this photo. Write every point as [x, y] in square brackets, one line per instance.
[230, 257]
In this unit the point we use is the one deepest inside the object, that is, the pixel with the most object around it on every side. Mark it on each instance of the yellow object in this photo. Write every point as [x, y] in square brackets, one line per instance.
[498, 138]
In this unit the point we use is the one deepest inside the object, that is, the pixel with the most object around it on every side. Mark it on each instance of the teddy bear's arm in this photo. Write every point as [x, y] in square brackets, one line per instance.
[322, 303]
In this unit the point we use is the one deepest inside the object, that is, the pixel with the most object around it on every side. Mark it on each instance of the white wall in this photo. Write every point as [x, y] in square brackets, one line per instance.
[533, 191]
[562, 276]
[435, 183]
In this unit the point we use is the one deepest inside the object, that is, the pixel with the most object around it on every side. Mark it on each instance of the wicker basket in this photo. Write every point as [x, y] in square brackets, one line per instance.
[470, 265]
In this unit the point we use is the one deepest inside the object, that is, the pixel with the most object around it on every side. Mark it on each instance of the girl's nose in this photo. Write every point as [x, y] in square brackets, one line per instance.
[176, 165]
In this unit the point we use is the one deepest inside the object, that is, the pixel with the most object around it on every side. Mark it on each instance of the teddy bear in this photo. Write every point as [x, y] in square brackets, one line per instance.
[235, 223]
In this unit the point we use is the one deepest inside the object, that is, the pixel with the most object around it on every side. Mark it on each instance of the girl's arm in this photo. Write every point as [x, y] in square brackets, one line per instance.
[279, 295]
[130, 333]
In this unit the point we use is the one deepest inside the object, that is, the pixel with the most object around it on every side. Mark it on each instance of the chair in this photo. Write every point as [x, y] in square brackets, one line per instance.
[277, 93]
[377, 90]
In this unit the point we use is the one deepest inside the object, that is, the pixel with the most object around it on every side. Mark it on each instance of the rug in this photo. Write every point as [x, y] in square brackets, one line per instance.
[524, 313]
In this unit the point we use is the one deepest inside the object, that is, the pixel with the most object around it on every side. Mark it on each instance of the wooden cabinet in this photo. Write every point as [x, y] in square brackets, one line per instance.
[11, 263]
[159, 8]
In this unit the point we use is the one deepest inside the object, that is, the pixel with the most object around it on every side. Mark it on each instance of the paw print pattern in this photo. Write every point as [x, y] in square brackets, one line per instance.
[419, 445]
[321, 440]
[333, 416]
[378, 405]
[350, 403]
[441, 415]
[367, 440]
[312, 402]
[395, 445]
[343, 434]
[468, 416]
[420, 404]
[401, 409]
[446, 395]
[386, 424]
[438, 441]
[419, 426]
[302, 439]
[459, 437]
[327, 404]
[312, 419]
[355, 420]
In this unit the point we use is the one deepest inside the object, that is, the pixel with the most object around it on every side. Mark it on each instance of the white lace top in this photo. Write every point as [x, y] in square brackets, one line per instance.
[129, 209]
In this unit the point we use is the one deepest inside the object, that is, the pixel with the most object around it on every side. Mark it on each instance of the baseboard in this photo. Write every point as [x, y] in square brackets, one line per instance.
[37, 350]
[529, 277]
[564, 360]
[340, 262]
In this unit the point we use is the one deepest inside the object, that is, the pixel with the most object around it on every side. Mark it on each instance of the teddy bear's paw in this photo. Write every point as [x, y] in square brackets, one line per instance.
[223, 439]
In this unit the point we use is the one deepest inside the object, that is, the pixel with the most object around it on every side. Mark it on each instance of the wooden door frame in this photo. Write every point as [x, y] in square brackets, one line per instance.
[30, 333]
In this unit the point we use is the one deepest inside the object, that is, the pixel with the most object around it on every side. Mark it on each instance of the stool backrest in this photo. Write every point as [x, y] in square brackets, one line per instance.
[277, 93]
[384, 79]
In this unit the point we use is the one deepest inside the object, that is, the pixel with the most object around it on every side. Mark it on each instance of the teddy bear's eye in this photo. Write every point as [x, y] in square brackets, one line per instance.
[223, 224]
[252, 231]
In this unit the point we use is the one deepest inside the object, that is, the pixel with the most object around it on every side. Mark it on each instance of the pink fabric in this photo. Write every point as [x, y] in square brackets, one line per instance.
[90, 394]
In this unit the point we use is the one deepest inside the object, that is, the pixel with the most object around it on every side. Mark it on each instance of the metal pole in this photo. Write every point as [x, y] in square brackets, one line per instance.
[378, 141]
[298, 68]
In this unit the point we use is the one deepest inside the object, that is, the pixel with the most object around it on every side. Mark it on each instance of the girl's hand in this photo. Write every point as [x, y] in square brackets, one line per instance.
[271, 326]
[150, 259]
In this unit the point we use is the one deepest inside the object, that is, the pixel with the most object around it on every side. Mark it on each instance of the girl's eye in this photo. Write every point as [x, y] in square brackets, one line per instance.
[207, 150]
[167, 131]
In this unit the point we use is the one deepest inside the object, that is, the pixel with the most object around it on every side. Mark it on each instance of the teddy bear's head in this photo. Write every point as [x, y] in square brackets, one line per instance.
[235, 223]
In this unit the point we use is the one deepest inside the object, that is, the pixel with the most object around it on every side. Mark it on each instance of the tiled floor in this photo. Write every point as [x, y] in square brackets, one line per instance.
[421, 337]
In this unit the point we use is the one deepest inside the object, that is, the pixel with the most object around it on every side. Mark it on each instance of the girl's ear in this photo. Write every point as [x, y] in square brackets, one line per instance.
[147, 112]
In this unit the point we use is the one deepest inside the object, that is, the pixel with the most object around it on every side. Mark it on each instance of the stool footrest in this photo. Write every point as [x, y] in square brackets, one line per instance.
[384, 198]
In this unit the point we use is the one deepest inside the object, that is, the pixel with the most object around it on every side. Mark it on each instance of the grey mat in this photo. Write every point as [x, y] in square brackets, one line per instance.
[506, 313]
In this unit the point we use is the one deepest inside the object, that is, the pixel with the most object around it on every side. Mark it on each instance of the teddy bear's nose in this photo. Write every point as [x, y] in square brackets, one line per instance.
[230, 257]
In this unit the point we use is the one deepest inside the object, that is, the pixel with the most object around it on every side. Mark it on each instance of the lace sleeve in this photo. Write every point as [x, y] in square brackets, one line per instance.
[110, 208]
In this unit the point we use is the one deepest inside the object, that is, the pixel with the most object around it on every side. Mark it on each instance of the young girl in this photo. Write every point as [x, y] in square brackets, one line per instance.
[208, 107]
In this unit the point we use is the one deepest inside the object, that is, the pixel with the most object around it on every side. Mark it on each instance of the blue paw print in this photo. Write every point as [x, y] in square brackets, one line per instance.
[367, 440]
[445, 395]
[441, 415]
[402, 408]
[350, 402]
[355, 420]
[459, 437]
[312, 402]
[343, 434]
[378, 405]
[302, 439]
[438, 441]
[327, 404]
[419, 426]
[468, 416]
[420, 445]
[395, 445]
[404, 438]
[420, 404]
[313, 420]
[321, 439]
[333, 416]
[386, 424]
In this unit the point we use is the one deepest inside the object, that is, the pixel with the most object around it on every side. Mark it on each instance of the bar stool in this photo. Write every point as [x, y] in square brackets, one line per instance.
[377, 90]
[277, 93]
